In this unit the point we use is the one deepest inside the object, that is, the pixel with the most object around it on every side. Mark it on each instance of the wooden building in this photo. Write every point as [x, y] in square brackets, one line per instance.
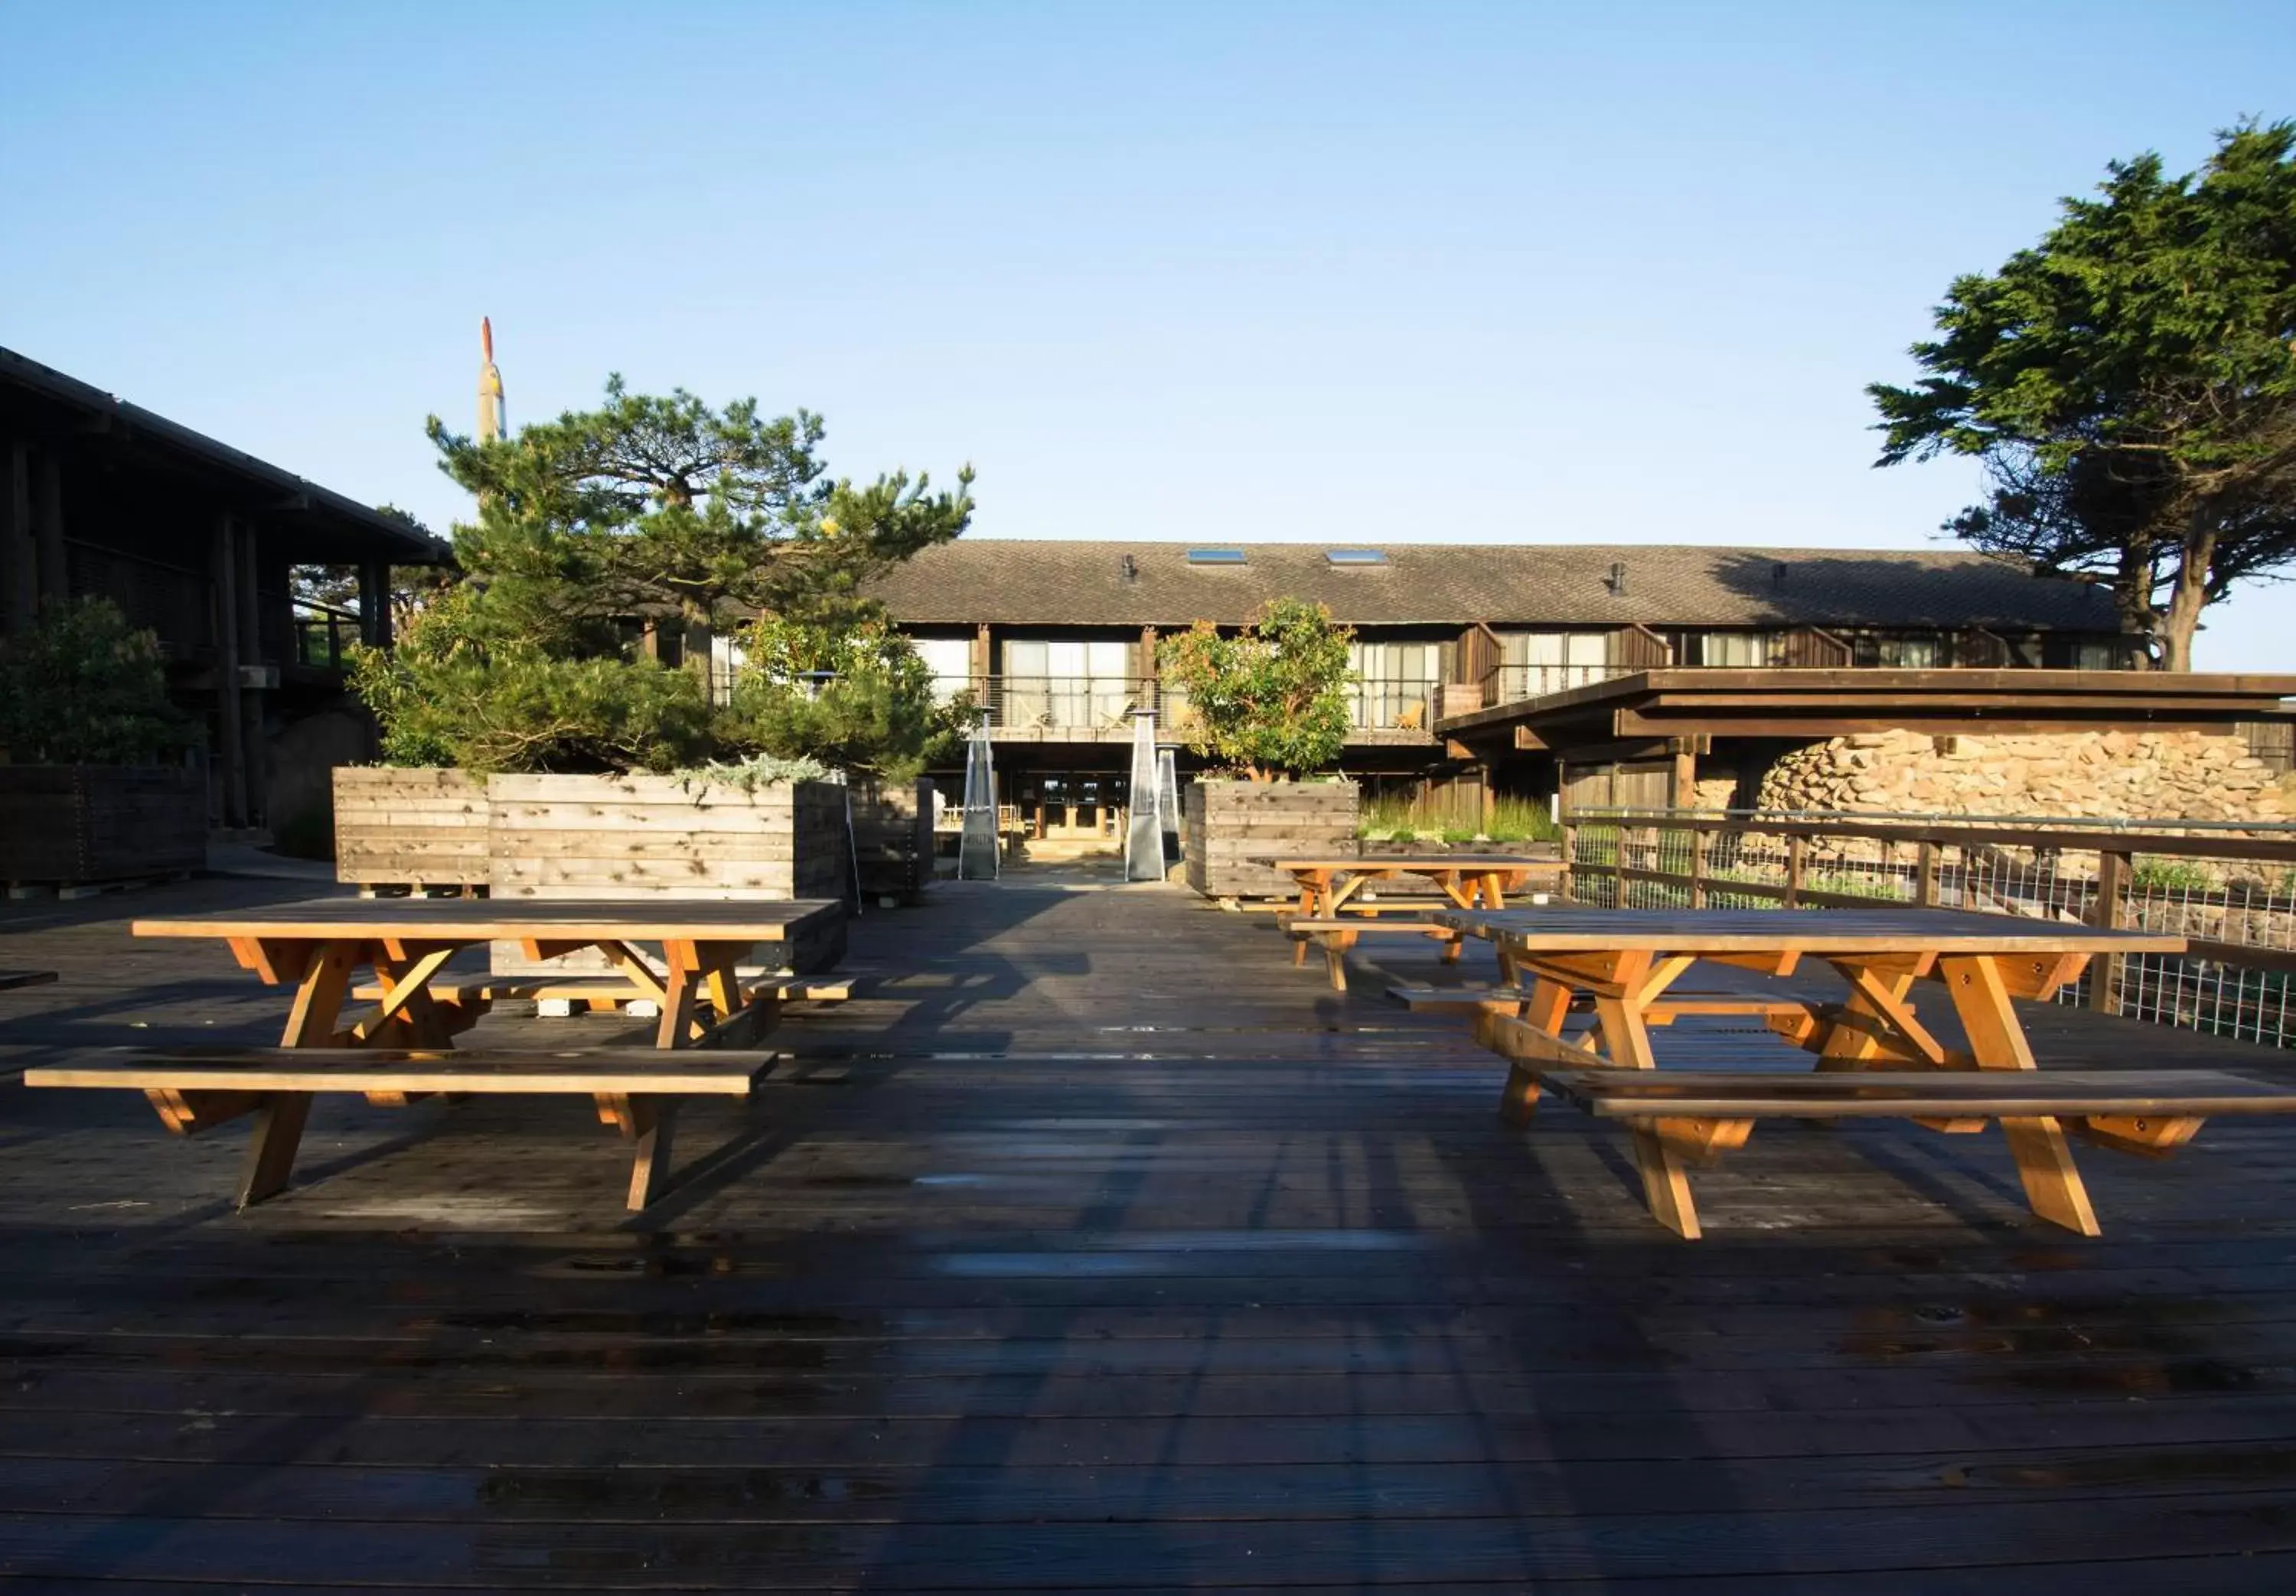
[197, 541]
[1058, 639]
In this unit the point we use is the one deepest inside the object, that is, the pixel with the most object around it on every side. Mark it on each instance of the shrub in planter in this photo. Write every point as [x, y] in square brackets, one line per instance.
[1268, 701]
[81, 686]
[84, 715]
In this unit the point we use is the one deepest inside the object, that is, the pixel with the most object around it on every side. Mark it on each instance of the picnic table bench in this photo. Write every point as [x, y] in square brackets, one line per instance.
[1875, 1054]
[1336, 906]
[400, 1049]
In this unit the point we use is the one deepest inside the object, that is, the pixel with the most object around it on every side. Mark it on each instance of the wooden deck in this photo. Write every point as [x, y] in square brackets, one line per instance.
[1096, 1247]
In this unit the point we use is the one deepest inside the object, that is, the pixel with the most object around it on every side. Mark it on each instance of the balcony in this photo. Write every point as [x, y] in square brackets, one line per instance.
[1098, 708]
[1511, 684]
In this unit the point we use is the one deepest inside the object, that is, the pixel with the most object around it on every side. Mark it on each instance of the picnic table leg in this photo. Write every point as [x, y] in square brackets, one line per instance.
[1666, 1181]
[740, 1022]
[1627, 985]
[677, 992]
[647, 1124]
[2045, 1162]
[311, 1023]
[319, 995]
[271, 1149]
[1549, 1006]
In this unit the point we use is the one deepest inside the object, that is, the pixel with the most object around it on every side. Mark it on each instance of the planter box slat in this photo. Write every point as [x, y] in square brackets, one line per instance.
[410, 827]
[1227, 823]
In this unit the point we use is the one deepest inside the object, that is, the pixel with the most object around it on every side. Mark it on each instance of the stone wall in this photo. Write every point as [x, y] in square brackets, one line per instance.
[2134, 775]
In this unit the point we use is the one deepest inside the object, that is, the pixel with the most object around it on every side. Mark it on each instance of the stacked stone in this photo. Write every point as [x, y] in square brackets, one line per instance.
[2133, 776]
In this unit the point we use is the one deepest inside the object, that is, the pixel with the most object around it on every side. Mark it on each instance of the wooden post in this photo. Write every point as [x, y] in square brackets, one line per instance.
[1797, 864]
[2112, 887]
[17, 580]
[227, 702]
[1570, 851]
[375, 604]
[55, 577]
[1682, 785]
[250, 699]
[1698, 840]
[1925, 874]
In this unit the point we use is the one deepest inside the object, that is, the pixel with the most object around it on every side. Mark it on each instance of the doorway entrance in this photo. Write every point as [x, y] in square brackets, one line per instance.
[1078, 810]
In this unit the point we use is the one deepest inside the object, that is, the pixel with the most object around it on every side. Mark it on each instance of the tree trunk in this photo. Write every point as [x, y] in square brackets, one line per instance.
[2187, 596]
[2132, 599]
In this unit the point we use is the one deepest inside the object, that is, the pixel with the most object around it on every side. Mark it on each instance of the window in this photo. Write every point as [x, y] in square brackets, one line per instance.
[1533, 663]
[1396, 685]
[2096, 655]
[1065, 684]
[950, 660]
[1734, 650]
[1356, 556]
[1215, 556]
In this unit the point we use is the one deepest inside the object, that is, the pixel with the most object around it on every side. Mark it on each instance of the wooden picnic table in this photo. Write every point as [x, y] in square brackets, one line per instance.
[1627, 961]
[319, 944]
[401, 1051]
[1334, 902]
[1330, 884]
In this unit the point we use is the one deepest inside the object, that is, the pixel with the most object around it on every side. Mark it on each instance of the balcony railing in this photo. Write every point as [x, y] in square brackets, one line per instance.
[1069, 703]
[1379, 704]
[323, 635]
[1513, 683]
[1104, 704]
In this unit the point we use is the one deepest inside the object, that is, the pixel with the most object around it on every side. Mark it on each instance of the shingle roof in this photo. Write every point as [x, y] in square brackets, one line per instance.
[1032, 582]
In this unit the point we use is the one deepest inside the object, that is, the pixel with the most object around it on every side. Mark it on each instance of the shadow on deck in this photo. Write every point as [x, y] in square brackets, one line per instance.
[1095, 1247]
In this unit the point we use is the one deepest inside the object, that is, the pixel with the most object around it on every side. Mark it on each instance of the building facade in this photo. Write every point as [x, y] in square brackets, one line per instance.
[199, 543]
[1058, 639]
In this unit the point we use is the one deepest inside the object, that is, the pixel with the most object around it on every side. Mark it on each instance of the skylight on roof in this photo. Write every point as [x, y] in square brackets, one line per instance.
[1215, 556]
[1356, 556]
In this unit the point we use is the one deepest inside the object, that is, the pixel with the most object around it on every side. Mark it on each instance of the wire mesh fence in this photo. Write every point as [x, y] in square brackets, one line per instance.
[2230, 892]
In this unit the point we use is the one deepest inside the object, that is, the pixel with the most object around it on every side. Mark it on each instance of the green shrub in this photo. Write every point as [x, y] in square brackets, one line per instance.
[1269, 701]
[81, 686]
[2172, 875]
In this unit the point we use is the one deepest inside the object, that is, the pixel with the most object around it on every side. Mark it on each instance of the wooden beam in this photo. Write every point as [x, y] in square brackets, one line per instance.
[19, 581]
[48, 517]
[222, 579]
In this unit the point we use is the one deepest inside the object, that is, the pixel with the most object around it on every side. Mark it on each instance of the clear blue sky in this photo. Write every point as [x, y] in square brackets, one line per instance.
[1438, 272]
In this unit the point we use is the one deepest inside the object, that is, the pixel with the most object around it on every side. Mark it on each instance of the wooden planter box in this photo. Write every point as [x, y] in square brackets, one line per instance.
[893, 838]
[649, 837]
[67, 824]
[596, 837]
[410, 827]
[1228, 823]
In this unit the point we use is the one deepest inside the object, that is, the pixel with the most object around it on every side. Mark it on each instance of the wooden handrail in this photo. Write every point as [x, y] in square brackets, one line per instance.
[2278, 850]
